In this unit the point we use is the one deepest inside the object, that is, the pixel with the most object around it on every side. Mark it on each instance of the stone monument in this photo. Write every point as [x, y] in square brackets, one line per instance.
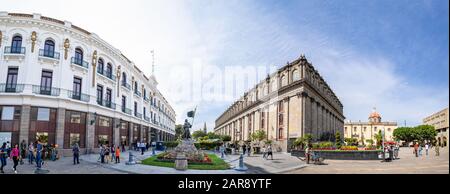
[185, 149]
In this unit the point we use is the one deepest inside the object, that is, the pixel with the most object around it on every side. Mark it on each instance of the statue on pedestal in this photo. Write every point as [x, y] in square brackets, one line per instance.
[186, 127]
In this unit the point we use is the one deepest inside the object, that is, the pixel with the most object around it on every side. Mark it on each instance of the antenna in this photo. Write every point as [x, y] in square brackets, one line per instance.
[153, 61]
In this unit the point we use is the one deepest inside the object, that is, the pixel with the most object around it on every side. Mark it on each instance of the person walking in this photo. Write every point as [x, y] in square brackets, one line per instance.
[117, 154]
[23, 151]
[249, 148]
[416, 149]
[3, 156]
[113, 153]
[123, 147]
[142, 148]
[39, 149]
[31, 153]
[107, 152]
[420, 149]
[76, 154]
[244, 149]
[102, 154]
[221, 150]
[264, 151]
[436, 149]
[269, 152]
[15, 156]
[307, 154]
[426, 149]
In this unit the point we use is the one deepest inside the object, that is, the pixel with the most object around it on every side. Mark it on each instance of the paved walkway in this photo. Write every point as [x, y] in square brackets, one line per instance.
[407, 164]
[282, 162]
[146, 169]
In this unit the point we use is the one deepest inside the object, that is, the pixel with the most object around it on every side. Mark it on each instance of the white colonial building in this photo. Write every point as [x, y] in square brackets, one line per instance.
[63, 85]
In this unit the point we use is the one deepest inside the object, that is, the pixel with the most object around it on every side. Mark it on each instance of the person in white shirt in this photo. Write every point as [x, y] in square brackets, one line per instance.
[426, 148]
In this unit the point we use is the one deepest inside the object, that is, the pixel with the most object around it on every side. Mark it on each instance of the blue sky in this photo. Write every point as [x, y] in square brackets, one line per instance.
[392, 55]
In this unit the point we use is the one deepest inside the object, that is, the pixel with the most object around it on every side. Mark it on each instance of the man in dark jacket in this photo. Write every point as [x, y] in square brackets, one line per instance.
[76, 154]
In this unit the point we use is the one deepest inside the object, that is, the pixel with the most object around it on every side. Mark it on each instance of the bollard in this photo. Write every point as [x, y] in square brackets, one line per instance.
[241, 166]
[130, 159]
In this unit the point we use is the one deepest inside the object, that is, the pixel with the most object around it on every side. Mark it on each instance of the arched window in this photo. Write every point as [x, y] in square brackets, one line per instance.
[78, 56]
[109, 70]
[49, 48]
[283, 81]
[16, 45]
[100, 66]
[274, 85]
[295, 75]
[124, 78]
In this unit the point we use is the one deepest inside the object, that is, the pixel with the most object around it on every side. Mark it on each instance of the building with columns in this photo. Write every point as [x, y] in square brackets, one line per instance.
[291, 102]
[63, 85]
[364, 131]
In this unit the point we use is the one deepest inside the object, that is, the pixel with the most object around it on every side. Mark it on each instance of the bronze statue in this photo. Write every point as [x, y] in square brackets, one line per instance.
[186, 127]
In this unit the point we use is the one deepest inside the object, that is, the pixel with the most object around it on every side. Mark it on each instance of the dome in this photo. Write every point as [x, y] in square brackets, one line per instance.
[375, 116]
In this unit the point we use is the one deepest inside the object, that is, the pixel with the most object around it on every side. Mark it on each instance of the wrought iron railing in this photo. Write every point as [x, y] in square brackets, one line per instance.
[45, 90]
[138, 115]
[78, 96]
[126, 110]
[137, 93]
[79, 62]
[126, 85]
[146, 118]
[48, 54]
[11, 88]
[107, 74]
[106, 103]
[14, 50]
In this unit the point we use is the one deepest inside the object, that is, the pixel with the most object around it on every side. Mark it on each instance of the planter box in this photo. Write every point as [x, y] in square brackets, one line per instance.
[342, 155]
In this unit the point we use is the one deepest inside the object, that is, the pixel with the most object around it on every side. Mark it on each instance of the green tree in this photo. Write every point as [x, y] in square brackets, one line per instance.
[178, 131]
[212, 135]
[379, 138]
[426, 133]
[404, 134]
[198, 134]
[258, 136]
[226, 138]
[338, 140]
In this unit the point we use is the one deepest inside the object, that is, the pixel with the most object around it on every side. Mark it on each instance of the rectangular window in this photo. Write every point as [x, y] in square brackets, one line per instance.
[75, 117]
[124, 103]
[46, 82]
[108, 97]
[8, 113]
[100, 94]
[74, 139]
[144, 112]
[135, 108]
[43, 114]
[11, 79]
[103, 121]
[76, 88]
[103, 140]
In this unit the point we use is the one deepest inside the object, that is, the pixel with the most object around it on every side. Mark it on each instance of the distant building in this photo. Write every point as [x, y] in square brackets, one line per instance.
[440, 122]
[364, 131]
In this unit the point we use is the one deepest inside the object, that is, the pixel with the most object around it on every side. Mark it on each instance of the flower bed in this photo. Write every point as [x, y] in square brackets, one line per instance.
[348, 148]
[215, 164]
[191, 158]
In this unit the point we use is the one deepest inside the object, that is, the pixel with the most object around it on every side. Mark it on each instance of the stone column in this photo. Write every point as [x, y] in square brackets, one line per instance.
[116, 131]
[313, 116]
[130, 133]
[142, 133]
[60, 123]
[303, 117]
[24, 123]
[90, 133]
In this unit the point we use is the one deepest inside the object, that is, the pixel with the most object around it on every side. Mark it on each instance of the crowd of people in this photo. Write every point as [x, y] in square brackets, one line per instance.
[35, 152]
[419, 147]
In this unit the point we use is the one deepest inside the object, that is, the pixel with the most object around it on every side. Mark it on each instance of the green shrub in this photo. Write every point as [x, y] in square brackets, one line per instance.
[325, 144]
[170, 144]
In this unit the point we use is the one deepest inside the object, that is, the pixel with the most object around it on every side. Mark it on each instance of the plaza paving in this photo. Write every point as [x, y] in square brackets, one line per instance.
[407, 164]
[281, 163]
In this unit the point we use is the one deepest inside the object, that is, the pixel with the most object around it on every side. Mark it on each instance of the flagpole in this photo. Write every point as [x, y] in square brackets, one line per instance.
[195, 111]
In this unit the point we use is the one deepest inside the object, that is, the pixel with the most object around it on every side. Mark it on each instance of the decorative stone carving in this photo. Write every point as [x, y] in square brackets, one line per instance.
[66, 48]
[94, 67]
[33, 40]
[118, 73]
[1, 37]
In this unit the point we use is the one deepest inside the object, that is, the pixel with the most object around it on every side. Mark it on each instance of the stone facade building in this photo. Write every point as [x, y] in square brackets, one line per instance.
[364, 131]
[63, 85]
[440, 122]
[288, 104]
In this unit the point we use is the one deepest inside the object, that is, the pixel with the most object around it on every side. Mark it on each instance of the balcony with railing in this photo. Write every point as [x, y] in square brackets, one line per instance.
[146, 99]
[126, 85]
[11, 88]
[147, 118]
[78, 96]
[14, 50]
[45, 90]
[106, 103]
[79, 62]
[138, 115]
[48, 54]
[126, 110]
[137, 93]
[107, 74]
